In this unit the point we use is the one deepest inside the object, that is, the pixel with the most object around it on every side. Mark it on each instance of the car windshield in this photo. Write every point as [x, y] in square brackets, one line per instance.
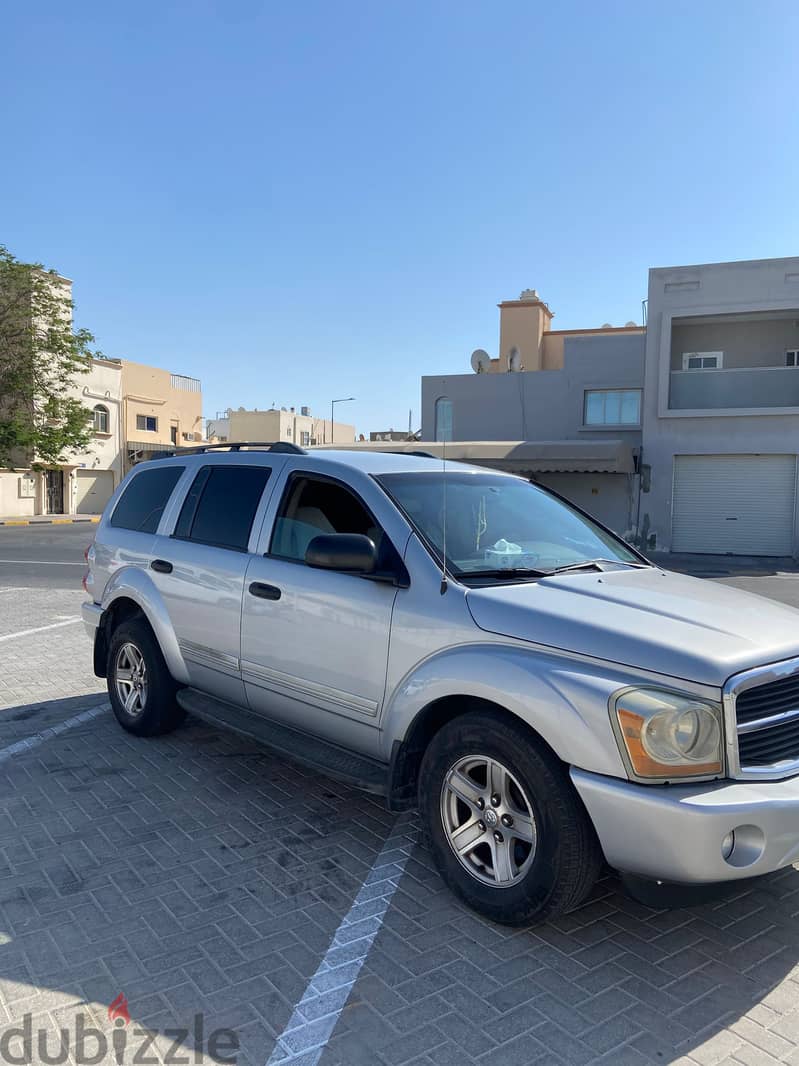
[497, 524]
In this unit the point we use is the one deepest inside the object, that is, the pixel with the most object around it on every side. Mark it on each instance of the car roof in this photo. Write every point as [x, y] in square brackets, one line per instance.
[366, 462]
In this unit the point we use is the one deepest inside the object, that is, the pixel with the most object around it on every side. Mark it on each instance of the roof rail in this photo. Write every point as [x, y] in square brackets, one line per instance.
[236, 446]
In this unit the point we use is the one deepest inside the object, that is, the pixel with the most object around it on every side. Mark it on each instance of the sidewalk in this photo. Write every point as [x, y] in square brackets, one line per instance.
[723, 565]
[47, 519]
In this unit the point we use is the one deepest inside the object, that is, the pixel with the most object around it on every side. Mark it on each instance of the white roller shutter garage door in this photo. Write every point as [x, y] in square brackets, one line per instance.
[93, 490]
[734, 504]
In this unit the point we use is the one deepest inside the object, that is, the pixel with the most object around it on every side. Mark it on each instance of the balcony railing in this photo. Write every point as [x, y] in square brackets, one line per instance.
[180, 381]
[750, 387]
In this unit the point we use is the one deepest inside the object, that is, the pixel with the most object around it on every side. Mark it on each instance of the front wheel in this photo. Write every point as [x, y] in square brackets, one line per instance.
[508, 832]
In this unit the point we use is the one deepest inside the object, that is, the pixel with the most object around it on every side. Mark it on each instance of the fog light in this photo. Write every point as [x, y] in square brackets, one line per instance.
[727, 844]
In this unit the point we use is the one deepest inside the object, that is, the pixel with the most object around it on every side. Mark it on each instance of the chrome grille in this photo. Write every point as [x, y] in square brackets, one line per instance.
[767, 721]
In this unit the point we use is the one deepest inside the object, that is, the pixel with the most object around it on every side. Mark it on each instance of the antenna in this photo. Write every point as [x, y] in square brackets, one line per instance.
[481, 361]
[444, 586]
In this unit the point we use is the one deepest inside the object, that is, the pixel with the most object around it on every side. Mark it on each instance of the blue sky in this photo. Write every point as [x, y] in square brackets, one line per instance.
[296, 202]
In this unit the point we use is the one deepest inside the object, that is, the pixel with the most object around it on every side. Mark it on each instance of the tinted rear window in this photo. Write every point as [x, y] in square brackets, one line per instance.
[220, 506]
[143, 501]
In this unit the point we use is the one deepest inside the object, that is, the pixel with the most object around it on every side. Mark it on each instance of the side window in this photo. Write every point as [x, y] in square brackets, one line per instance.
[311, 507]
[142, 503]
[220, 505]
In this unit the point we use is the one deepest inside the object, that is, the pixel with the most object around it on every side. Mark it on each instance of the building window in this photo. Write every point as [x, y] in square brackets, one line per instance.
[443, 418]
[147, 422]
[613, 407]
[173, 434]
[792, 357]
[100, 419]
[305, 438]
[702, 360]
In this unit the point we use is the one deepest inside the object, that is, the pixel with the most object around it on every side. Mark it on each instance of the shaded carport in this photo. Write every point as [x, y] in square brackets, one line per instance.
[598, 475]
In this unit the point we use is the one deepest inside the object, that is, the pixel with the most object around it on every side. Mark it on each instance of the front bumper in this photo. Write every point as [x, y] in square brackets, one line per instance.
[676, 833]
[91, 613]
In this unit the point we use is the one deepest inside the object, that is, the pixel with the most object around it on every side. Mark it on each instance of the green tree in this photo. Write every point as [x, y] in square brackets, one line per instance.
[42, 358]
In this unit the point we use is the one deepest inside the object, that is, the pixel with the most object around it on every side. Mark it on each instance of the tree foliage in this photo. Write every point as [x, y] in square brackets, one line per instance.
[42, 358]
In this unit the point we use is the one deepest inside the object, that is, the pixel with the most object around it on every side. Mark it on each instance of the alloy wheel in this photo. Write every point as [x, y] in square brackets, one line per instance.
[488, 821]
[130, 679]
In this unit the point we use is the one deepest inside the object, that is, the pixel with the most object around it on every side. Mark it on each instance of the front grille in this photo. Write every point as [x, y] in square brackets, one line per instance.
[768, 723]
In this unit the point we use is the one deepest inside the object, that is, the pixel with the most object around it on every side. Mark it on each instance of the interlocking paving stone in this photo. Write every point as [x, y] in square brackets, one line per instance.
[199, 872]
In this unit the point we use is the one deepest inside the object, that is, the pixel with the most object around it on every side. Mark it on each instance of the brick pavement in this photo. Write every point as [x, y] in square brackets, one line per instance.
[198, 872]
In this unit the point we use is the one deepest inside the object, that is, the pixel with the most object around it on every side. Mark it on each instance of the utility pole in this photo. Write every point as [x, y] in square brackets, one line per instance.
[344, 399]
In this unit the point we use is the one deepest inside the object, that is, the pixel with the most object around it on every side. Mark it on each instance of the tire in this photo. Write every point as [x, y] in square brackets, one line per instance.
[134, 652]
[538, 868]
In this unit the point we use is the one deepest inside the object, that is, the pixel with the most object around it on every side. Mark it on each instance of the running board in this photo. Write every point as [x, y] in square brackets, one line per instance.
[361, 772]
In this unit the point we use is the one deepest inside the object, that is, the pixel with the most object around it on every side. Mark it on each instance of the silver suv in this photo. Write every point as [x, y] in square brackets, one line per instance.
[462, 641]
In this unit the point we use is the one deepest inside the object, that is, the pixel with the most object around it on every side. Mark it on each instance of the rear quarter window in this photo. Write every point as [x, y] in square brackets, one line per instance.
[142, 503]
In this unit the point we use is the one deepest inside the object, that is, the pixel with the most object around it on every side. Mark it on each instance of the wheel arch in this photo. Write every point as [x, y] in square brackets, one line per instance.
[131, 593]
[561, 701]
[407, 753]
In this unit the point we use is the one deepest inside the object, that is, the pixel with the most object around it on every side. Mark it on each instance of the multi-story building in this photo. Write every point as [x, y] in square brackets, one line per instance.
[85, 481]
[572, 396]
[721, 408]
[161, 411]
[684, 433]
[284, 423]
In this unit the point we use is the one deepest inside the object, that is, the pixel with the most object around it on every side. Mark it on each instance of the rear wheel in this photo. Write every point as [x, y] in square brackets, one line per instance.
[508, 831]
[140, 686]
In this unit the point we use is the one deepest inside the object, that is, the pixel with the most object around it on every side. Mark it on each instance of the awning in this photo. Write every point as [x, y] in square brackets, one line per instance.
[526, 457]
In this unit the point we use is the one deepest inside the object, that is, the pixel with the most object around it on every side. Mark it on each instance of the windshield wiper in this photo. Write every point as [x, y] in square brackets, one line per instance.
[597, 564]
[506, 571]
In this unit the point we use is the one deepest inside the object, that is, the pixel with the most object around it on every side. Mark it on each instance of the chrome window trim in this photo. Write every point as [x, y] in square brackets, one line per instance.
[733, 687]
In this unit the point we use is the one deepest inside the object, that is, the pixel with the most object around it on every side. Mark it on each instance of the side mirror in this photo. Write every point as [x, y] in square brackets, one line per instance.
[351, 553]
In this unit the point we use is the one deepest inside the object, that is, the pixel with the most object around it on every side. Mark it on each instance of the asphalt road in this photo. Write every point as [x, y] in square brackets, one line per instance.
[43, 556]
[52, 557]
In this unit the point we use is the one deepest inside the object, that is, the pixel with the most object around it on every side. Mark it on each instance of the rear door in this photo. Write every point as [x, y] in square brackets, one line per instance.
[199, 570]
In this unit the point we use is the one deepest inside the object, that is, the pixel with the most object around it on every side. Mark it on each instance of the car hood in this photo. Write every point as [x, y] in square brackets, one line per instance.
[647, 618]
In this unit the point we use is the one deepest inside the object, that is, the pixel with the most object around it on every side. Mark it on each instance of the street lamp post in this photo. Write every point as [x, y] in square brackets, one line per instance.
[344, 399]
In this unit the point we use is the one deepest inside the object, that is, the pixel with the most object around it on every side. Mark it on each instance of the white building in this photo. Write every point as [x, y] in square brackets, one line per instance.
[83, 484]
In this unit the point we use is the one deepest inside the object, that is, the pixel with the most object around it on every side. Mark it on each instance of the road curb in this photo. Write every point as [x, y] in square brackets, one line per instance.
[90, 520]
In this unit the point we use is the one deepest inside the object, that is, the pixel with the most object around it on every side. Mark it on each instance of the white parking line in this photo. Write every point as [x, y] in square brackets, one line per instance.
[314, 1019]
[61, 727]
[39, 629]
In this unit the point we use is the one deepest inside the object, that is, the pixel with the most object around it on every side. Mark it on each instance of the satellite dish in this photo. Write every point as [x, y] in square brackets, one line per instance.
[630, 323]
[514, 360]
[480, 361]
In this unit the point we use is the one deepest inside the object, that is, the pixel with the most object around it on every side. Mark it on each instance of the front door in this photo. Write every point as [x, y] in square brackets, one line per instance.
[54, 491]
[314, 654]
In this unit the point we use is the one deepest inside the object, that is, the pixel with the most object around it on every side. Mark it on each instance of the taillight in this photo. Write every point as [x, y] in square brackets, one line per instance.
[88, 555]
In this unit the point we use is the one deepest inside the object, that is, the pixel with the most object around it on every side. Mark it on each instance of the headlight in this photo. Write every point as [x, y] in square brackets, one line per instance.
[665, 735]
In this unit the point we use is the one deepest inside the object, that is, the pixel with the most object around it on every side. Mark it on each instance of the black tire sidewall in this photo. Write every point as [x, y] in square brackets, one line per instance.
[532, 899]
[160, 711]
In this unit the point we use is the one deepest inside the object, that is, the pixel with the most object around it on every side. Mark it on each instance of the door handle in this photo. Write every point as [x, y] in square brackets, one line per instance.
[264, 592]
[161, 565]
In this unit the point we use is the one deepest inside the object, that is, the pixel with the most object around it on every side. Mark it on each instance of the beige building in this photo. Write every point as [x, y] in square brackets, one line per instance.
[160, 411]
[283, 424]
[527, 340]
